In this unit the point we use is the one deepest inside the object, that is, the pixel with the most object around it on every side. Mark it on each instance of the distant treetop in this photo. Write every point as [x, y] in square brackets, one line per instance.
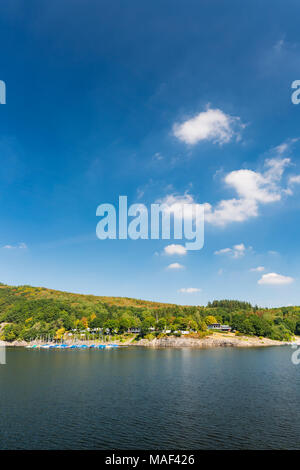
[230, 305]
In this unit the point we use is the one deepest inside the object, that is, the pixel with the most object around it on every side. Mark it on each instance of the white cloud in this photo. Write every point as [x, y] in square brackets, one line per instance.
[175, 250]
[252, 188]
[259, 269]
[282, 148]
[237, 251]
[260, 187]
[175, 266]
[285, 147]
[274, 279]
[213, 125]
[295, 179]
[230, 210]
[189, 290]
[174, 204]
[223, 251]
[20, 246]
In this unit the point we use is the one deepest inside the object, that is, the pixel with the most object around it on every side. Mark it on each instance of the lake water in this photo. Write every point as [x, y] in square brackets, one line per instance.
[138, 398]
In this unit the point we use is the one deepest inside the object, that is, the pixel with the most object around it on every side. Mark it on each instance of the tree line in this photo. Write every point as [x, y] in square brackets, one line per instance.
[28, 313]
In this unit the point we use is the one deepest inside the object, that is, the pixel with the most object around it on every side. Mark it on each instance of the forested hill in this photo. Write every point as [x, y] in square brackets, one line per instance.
[28, 312]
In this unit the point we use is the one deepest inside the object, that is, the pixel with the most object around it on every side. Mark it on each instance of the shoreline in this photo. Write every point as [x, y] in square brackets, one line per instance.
[215, 340]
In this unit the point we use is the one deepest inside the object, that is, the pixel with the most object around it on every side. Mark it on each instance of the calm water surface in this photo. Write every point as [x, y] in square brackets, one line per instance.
[139, 398]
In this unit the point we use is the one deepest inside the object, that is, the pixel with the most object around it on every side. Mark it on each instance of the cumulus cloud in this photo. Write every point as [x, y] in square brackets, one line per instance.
[274, 279]
[175, 266]
[252, 188]
[212, 125]
[230, 210]
[261, 187]
[175, 250]
[189, 290]
[237, 251]
[259, 269]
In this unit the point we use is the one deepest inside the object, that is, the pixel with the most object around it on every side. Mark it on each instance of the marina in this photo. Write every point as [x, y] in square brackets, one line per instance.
[72, 346]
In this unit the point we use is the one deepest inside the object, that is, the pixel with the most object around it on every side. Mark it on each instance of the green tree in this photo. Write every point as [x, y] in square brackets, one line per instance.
[209, 320]
[11, 332]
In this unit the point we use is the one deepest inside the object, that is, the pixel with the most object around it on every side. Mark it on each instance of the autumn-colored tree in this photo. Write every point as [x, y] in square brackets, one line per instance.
[60, 333]
[209, 320]
[85, 322]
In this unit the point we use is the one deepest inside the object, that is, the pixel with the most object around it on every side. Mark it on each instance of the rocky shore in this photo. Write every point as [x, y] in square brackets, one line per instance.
[216, 340]
[13, 343]
[212, 341]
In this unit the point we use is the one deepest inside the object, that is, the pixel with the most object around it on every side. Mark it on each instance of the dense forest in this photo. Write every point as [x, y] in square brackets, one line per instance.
[31, 312]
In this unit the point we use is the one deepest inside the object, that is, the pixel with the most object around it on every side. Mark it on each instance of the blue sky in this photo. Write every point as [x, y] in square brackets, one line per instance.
[153, 100]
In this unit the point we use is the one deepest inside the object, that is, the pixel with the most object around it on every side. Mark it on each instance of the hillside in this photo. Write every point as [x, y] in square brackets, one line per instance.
[29, 312]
